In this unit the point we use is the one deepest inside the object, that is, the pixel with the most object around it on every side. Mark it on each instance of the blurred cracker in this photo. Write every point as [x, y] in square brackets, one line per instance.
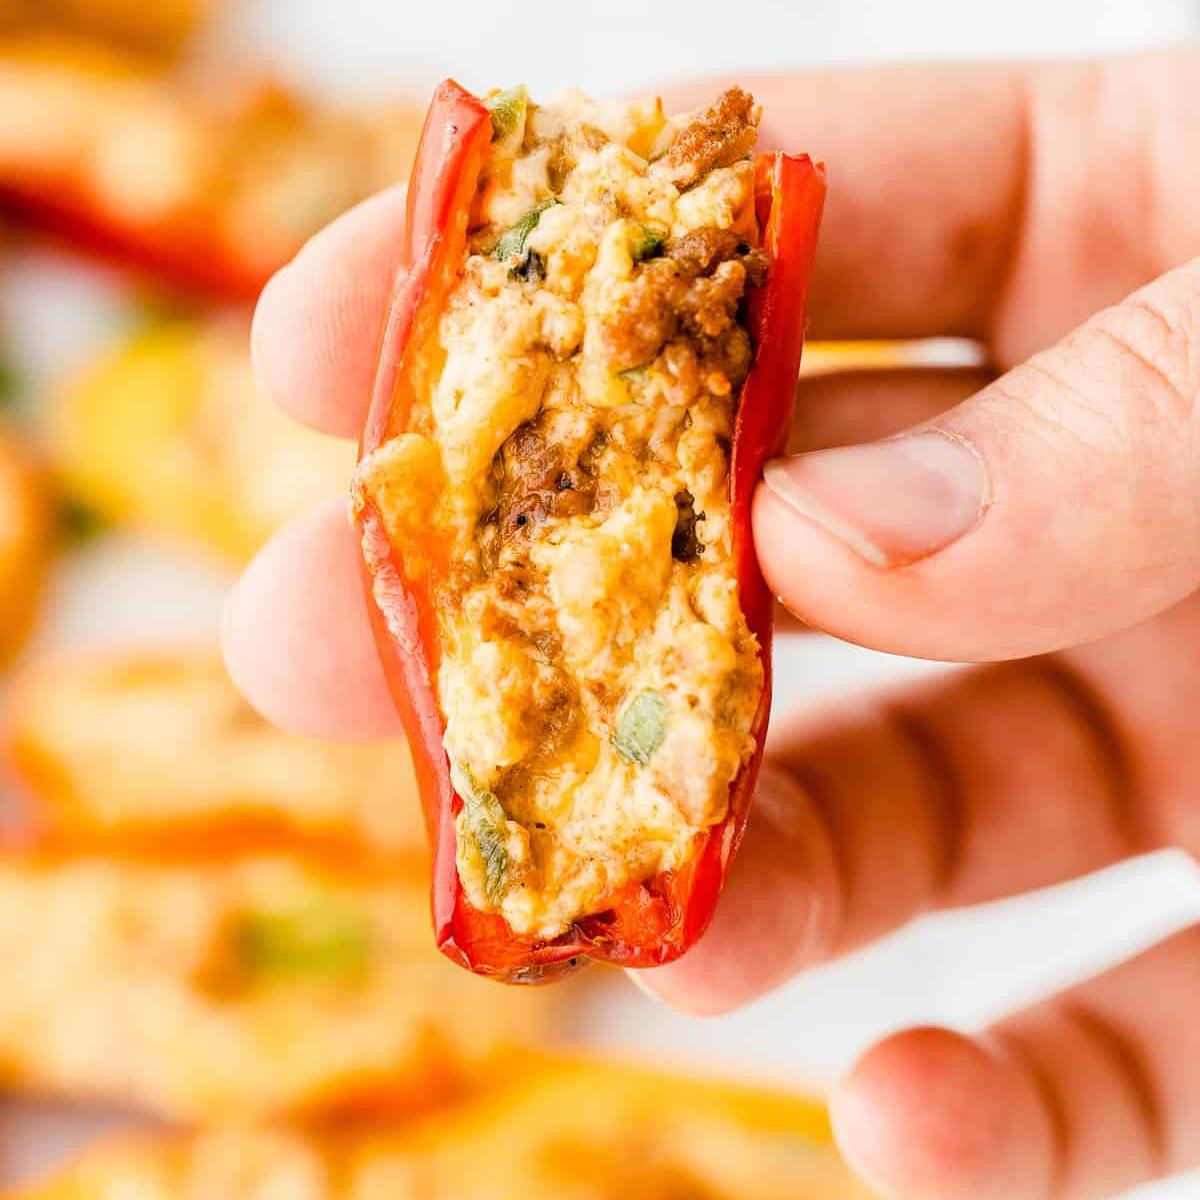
[565, 1130]
[156, 749]
[241, 989]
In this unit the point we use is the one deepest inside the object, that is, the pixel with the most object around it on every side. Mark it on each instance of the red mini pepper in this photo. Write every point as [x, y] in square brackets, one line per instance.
[202, 189]
[650, 923]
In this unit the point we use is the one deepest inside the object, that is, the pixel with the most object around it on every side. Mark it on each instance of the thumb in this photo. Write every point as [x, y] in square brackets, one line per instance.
[1057, 505]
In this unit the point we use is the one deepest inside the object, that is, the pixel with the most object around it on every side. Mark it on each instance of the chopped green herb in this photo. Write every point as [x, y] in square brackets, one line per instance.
[533, 270]
[12, 385]
[487, 824]
[79, 522]
[326, 939]
[642, 728]
[645, 243]
[508, 110]
[511, 246]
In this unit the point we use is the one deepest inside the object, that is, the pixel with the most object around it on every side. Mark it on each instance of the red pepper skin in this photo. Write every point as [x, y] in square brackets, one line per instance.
[650, 923]
[189, 256]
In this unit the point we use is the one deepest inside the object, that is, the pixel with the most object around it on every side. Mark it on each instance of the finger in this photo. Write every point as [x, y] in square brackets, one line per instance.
[296, 636]
[841, 407]
[926, 224]
[317, 326]
[1059, 504]
[1069, 203]
[973, 787]
[294, 579]
[1079, 1099]
[845, 407]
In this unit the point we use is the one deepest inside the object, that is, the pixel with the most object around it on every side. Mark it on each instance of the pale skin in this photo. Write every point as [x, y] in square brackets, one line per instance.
[1049, 525]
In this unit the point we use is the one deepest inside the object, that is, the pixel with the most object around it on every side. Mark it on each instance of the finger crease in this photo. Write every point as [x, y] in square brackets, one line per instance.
[1121, 1051]
[944, 793]
[1054, 1104]
[1176, 401]
[1023, 198]
[816, 791]
[1089, 712]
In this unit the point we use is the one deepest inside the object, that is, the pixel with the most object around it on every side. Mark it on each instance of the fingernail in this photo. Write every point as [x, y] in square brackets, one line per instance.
[893, 502]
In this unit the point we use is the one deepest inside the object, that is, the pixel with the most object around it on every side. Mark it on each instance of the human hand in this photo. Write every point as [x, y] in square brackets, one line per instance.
[1053, 507]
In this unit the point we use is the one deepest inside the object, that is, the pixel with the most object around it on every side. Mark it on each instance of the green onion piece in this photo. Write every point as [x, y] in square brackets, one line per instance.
[645, 243]
[642, 728]
[508, 110]
[324, 939]
[12, 385]
[511, 246]
[487, 823]
[79, 522]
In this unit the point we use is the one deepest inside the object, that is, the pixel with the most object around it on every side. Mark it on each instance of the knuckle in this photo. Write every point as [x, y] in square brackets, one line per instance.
[1150, 344]
[1126, 383]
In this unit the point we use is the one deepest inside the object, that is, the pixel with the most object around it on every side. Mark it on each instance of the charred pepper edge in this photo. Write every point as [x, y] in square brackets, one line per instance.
[654, 922]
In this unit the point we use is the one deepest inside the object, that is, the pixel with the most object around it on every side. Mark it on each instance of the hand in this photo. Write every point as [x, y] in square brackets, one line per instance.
[1038, 513]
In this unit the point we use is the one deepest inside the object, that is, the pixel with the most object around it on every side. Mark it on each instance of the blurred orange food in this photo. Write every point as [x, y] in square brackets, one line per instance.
[159, 26]
[561, 1131]
[211, 185]
[239, 989]
[27, 537]
[167, 432]
[158, 750]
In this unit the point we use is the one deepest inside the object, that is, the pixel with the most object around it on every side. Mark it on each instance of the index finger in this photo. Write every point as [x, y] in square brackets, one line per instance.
[1005, 202]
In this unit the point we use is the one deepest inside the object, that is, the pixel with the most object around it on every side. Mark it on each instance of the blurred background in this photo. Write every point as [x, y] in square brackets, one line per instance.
[210, 924]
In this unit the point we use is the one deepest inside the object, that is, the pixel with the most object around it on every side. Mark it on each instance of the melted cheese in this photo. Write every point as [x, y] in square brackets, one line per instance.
[573, 1132]
[234, 991]
[159, 745]
[555, 482]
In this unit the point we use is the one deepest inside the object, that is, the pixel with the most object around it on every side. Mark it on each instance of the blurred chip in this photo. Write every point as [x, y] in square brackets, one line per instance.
[210, 184]
[570, 1132]
[156, 749]
[169, 433]
[239, 989]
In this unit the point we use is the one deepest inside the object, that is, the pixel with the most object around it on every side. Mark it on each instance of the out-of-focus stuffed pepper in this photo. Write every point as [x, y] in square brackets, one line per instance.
[593, 347]
[212, 185]
[156, 749]
[27, 540]
[153, 26]
[575, 1131]
[235, 990]
[168, 433]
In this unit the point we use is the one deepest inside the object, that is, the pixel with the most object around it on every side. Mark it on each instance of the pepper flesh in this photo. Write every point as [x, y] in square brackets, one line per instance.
[653, 922]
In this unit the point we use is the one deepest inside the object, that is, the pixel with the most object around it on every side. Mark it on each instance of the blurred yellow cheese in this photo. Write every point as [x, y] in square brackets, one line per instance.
[566, 1131]
[156, 748]
[27, 537]
[821, 358]
[238, 989]
[153, 25]
[168, 433]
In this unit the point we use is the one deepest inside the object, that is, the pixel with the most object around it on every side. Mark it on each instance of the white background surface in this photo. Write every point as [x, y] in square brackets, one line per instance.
[963, 969]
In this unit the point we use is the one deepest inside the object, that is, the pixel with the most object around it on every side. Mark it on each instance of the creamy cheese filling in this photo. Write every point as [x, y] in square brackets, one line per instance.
[597, 677]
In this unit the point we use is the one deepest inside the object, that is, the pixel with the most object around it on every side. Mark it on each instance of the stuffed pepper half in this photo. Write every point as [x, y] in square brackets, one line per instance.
[592, 348]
